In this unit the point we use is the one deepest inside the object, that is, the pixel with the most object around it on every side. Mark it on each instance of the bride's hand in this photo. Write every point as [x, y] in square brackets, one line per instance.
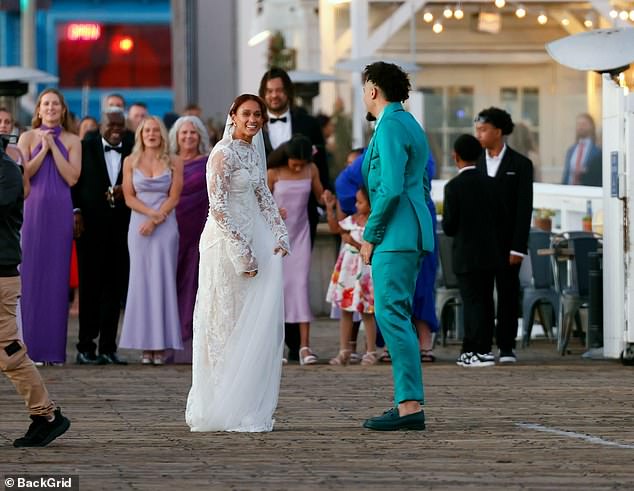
[280, 250]
[251, 274]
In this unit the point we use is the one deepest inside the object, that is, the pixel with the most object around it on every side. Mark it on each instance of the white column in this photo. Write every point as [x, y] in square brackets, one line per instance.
[359, 25]
[328, 54]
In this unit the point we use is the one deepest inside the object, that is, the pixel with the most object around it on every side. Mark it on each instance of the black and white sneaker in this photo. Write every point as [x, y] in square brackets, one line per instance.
[487, 356]
[477, 360]
[464, 358]
[508, 357]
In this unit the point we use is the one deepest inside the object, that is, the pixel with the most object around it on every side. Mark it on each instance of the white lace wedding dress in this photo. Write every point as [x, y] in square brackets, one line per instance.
[238, 321]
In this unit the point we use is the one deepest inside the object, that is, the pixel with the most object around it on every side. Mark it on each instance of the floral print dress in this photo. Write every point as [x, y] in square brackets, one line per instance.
[350, 286]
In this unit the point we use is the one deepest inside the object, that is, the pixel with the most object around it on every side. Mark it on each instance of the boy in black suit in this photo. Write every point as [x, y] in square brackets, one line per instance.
[513, 175]
[473, 214]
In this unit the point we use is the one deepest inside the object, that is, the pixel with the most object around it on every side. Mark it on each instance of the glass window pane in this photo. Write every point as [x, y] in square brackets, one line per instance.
[509, 100]
[460, 107]
[530, 106]
[114, 55]
[433, 108]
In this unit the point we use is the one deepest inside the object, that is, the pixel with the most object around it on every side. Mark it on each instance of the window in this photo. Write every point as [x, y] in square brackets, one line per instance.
[522, 103]
[114, 55]
[447, 113]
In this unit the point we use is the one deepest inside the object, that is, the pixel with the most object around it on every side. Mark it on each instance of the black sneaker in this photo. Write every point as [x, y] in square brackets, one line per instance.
[42, 432]
[508, 357]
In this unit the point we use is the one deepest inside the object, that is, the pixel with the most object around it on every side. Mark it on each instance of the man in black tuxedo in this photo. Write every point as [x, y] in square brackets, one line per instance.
[101, 225]
[473, 216]
[284, 120]
[513, 174]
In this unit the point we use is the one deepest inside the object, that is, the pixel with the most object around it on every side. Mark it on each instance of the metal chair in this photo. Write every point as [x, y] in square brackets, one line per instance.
[542, 290]
[575, 293]
[449, 307]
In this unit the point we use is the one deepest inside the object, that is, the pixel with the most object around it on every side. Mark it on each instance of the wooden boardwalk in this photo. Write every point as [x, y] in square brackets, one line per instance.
[528, 426]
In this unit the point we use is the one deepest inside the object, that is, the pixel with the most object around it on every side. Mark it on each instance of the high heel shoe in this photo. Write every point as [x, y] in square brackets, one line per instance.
[342, 358]
[309, 359]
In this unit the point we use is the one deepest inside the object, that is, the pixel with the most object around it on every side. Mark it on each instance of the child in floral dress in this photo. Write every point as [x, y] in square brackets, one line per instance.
[351, 287]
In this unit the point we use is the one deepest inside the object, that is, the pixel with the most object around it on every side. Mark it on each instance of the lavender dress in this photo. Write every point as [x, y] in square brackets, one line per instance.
[151, 318]
[47, 236]
[293, 195]
[191, 215]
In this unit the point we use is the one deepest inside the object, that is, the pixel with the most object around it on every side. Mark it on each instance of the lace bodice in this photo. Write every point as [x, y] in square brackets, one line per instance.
[237, 190]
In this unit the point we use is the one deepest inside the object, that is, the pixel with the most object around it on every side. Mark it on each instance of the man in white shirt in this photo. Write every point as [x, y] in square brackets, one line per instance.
[513, 175]
[101, 227]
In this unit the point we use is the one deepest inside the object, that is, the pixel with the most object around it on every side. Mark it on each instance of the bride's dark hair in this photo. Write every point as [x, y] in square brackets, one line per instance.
[241, 99]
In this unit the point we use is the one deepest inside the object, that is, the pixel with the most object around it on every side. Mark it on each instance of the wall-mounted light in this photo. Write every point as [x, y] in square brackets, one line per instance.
[428, 16]
[520, 12]
[437, 27]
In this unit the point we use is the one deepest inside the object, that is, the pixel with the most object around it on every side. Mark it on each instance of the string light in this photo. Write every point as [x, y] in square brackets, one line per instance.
[458, 13]
[613, 14]
[500, 3]
[520, 12]
[632, 15]
[447, 13]
[623, 15]
[542, 18]
[565, 22]
[428, 16]
[588, 22]
[437, 27]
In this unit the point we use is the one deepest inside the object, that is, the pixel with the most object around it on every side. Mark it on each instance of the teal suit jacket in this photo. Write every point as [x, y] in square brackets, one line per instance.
[395, 177]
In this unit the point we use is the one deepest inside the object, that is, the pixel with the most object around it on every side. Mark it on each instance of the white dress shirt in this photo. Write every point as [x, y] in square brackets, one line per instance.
[280, 131]
[493, 163]
[113, 161]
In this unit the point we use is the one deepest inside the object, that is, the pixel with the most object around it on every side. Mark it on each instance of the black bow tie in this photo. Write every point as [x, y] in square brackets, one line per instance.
[275, 120]
[107, 148]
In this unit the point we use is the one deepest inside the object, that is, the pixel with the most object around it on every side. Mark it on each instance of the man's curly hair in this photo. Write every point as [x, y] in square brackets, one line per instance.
[390, 78]
[498, 118]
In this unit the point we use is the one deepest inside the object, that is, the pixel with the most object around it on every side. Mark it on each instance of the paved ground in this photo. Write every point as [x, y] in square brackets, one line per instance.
[547, 423]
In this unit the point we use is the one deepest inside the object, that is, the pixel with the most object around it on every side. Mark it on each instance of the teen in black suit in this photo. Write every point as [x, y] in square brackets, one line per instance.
[285, 120]
[513, 174]
[473, 216]
[101, 224]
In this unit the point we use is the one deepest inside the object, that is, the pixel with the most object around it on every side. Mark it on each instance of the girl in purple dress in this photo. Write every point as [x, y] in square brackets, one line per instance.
[53, 166]
[190, 141]
[291, 186]
[152, 183]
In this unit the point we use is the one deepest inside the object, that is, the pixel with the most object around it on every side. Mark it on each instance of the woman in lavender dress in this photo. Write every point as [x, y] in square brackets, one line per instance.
[53, 165]
[291, 185]
[190, 141]
[152, 183]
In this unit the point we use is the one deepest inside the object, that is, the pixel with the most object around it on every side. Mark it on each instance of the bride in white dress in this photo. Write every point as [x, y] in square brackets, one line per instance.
[239, 314]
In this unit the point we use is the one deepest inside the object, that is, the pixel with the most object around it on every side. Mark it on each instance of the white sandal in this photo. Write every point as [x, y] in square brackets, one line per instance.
[309, 359]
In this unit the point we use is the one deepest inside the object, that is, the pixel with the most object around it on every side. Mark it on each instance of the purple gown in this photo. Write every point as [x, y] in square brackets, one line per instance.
[191, 215]
[151, 318]
[293, 195]
[47, 236]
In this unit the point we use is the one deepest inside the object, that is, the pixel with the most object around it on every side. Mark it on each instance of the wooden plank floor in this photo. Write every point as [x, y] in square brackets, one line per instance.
[128, 429]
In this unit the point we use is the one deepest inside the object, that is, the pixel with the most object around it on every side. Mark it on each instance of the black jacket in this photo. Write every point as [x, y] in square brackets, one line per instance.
[514, 180]
[11, 207]
[89, 193]
[473, 214]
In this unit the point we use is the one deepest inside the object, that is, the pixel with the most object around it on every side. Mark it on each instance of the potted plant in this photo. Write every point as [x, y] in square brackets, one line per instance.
[543, 219]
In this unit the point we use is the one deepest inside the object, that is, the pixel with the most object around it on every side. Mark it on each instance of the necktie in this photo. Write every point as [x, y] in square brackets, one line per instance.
[578, 164]
[107, 148]
[275, 120]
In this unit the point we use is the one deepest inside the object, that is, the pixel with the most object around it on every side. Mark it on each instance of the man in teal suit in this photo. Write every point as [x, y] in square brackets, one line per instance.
[397, 234]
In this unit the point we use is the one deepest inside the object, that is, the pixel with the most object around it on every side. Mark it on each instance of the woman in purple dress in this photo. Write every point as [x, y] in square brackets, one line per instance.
[53, 165]
[291, 185]
[190, 141]
[152, 183]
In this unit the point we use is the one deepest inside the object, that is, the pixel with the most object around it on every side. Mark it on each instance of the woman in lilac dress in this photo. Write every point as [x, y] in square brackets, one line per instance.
[152, 183]
[190, 141]
[291, 185]
[53, 165]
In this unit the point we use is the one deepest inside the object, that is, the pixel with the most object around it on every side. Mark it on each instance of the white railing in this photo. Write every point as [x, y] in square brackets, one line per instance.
[570, 203]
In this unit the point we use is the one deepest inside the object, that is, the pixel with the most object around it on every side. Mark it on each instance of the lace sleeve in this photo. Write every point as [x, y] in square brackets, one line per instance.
[240, 252]
[272, 214]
